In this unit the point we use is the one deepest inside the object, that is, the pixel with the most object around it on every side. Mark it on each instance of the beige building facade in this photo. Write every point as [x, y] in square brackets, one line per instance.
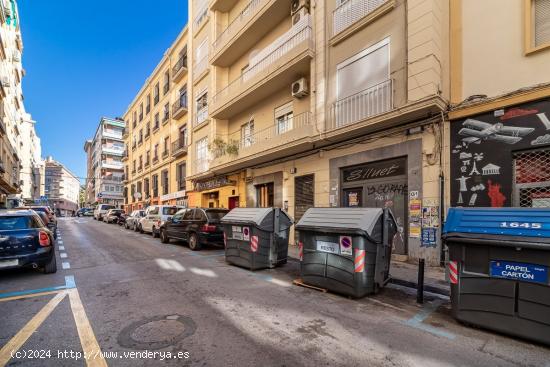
[156, 134]
[499, 133]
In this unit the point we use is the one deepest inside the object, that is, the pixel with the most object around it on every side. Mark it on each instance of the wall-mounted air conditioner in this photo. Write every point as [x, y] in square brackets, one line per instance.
[299, 88]
[297, 5]
[299, 15]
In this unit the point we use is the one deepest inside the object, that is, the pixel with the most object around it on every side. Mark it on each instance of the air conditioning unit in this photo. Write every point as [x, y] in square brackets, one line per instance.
[299, 15]
[297, 5]
[299, 88]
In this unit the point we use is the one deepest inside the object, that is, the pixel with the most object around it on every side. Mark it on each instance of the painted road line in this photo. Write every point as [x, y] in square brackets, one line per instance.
[59, 242]
[63, 255]
[27, 331]
[65, 265]
[69, 283]
[61, 248]
[29, 295]
[417, 321]
[87, 337]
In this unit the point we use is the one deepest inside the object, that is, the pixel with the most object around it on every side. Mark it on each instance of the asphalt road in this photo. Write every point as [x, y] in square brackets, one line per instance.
[124, 292]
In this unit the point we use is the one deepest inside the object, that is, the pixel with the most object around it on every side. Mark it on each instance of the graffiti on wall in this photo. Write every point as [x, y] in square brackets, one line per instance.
[482, 149]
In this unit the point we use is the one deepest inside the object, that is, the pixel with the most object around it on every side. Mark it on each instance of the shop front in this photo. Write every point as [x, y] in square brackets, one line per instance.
[501, 158]
[218, 192]
[175, 198]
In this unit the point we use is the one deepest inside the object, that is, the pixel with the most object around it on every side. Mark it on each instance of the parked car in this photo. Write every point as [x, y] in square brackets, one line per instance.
[199, 226]
[101, 210]
[25, 241]
[155, 216]
[132, 221]
[122, 219]
[85, 212]
[112, 215]
[52, 224]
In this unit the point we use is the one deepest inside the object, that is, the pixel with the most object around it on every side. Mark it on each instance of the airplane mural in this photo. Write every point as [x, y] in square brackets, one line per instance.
[477, 131]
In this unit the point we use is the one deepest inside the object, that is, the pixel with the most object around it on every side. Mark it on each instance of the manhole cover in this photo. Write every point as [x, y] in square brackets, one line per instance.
[156, 332]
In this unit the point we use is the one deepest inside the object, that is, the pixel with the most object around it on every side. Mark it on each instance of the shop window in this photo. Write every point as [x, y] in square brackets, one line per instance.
[265, 195]
[304, 195]
[284, 118]
[537, 25]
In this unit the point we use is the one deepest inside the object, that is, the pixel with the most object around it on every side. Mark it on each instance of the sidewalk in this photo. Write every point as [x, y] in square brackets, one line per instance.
[406, 274]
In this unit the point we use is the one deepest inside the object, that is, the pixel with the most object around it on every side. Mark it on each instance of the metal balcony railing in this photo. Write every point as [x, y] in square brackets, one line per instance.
[181, 65]
[179, 146]
[294, 39]
[236, 142]
[165, 153]
[237, 24]
[179, 106]
[352, 11]
[360, 106]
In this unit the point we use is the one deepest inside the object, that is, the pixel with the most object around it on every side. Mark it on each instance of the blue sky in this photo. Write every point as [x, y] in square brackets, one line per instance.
[87, 59]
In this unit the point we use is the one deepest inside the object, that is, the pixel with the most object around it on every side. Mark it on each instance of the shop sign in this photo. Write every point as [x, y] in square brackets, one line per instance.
[173, 195]
[375, 170]
[213, 183]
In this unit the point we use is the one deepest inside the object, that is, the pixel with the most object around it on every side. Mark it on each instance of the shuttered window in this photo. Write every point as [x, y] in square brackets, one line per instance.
[541, 12]
[304, 193]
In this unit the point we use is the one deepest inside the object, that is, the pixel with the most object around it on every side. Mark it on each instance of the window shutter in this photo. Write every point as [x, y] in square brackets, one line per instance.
[304, 193]
[542, 22]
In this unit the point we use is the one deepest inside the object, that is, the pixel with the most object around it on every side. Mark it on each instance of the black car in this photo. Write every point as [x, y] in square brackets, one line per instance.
[52, 219]
[25, 241]
[199, 226]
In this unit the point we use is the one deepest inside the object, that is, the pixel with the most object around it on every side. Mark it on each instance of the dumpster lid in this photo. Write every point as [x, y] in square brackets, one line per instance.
[254, 216]
[341, 220]
[506, 224]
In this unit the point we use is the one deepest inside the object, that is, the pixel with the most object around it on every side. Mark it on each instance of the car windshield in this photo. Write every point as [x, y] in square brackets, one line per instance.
[216, 214]
[107, 207]
[170, 210]
[142, 213]
[14, 223]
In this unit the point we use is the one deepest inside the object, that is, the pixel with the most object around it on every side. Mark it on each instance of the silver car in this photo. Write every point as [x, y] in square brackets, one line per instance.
[132, 221]
[155, 216]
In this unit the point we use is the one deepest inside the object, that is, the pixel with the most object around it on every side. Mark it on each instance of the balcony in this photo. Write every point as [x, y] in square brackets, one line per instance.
[273, 69]
[358, 107]
[140, 168]
[278, 140]
[113, 134]
[200, 68]
[124, 156]
[125, 133]
[200, 165]
[351, 12]
[245, 31]
[180, 69]
[179, 108]
[147, 134]
[179, 147]
[113, 150]
[155, 159]
[112, 164]
[165, 153]
[147, 164]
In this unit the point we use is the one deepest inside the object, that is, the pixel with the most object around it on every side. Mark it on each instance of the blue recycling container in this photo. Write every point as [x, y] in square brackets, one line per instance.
[499, 260]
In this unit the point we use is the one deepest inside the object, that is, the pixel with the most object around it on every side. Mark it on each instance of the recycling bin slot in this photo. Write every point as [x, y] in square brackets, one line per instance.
[346, 250]
[499, 261]
[256, 238]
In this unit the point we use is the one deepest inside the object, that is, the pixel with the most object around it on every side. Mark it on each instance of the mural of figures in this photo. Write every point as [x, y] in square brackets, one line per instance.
[483, 149]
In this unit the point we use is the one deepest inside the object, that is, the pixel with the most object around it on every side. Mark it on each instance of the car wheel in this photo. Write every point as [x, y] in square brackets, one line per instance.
[141, 229]
[194, 244]
[126, 226]
[154, 233]
[164, 236]
[51, 266]
[135, 227]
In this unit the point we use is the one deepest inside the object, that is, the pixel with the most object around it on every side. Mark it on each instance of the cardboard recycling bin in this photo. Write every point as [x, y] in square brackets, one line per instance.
[346, 250]
[498, 269]
[256, 238]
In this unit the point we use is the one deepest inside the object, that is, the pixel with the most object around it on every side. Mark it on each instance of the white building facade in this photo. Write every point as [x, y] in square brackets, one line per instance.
[62, 188]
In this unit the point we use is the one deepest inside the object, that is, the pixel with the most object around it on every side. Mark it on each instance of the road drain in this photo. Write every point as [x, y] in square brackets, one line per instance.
[156, 332]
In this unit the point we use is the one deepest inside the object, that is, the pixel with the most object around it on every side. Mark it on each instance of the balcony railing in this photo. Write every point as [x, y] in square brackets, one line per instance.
[165, 117]
[165, 153]
[146, 164]
[201, 116]
[200, 67]
[236, 24]
[179, 147]
[202, 16]
[140, 168]
[238, 145]
[179, 108]
[125, 155]
[179, 69]
[351, 12]
[112, 164]
[270, 55]
[200, 165]
[360, 106]
[155, 159]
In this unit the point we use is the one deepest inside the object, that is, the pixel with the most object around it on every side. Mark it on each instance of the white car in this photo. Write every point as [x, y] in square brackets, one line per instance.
[155, 216]
[101, 210]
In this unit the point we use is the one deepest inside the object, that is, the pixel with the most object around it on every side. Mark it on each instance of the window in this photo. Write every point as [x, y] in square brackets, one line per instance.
[166, 86]
[134, 166]
[265, 196]
[148, 129]
[134, 123]
[166, 143]
[181, 176]
[147, 157]
[140, 136]
[247, 134]
[139, 188]
[202, 107]
[537, 23]
[156, 94]
[133, 191]
[202, 155]
[188, 215]
[157, 122]
[165, 183]
[182, 137]
[146, 188]
[155, 185]
[304, 193]
[183, 97]
[201, 57]
[284, 118]
[148, 104]
[166, 112]
[141, 112]
[140, 166]
[156, 152]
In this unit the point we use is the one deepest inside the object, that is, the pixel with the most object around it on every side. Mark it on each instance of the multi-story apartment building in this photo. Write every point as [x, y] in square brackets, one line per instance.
[105, 170]
[156, 136]
[298, 104]
[61, 188]
[499, 150]
[11, 101]
[30, 155]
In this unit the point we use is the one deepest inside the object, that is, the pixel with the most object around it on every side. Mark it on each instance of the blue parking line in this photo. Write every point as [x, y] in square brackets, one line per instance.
[417, 321]
[69, 283]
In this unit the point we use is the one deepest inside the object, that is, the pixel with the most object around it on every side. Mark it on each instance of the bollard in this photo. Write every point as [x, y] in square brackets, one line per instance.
[420, 284]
